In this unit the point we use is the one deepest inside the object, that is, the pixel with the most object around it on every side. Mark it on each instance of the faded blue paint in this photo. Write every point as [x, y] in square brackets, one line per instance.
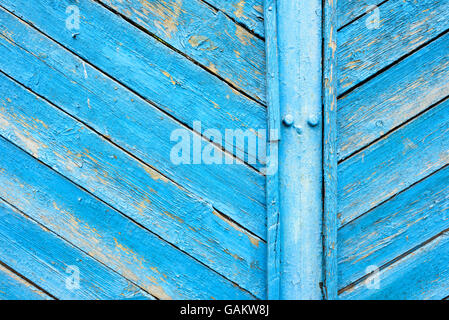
[274, 122]
[86, 177]
[167, 79]
[300, 149]
[132, 188]
[330, 285]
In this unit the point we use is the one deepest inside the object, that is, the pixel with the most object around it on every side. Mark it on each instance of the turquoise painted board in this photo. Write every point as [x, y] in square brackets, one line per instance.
[200, 149]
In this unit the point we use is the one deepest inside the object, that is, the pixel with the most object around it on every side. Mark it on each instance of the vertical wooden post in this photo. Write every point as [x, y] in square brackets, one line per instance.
[330, 148]
[300, 196]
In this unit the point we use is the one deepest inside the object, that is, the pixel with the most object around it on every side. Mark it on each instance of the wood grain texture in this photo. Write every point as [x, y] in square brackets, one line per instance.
[301, 149]
[249, 13]
[129, 121]
[105, 234]
[395, 227]
[272, 176]
[169, 80]
[421, 275]
[133, 188]
[208, 37]
[393, 97]
[33, 250]
[13, 287]
[394, 163]
[330, 177]
[404, 26]
[349, 10]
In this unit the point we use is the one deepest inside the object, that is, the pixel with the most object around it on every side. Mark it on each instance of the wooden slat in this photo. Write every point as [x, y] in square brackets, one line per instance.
[404, 26]
[211, 38]
[351, 9]
[394, 227]
[44, 258]
[394, 163]
[126, 119]
[132, 187]
[246, 12]
[172, 82]
[422, 275]
[272, 177]
[107, 235]
[393, 97]
[13, 287]
[330, 160]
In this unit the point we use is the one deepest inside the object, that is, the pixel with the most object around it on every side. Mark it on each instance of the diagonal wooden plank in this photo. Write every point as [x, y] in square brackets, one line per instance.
[131, 187]
[394, 227]
[13, 287]
[46, 260]
[394, 163]
[208, 37]
[404, 26]
[104, 233]
[175, 84]
[128, 120]
[393, 97]
[421, 275]
[248, 13]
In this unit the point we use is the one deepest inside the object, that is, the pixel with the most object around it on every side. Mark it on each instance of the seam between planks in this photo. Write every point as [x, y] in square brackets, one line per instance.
[125, 216]
[153, 104]
[22, 276]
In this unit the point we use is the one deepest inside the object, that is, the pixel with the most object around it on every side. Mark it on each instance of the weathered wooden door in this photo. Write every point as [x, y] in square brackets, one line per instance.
[224, 149]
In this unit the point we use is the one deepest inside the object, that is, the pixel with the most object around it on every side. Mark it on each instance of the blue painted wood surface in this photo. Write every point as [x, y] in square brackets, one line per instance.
[33, 250]
[129, 186]
[209, 37]
[393, 151]
[14, 287]
[330, 171]
[241, 197]
[300, 149]
[173, 83]
[397, 226]
[86, 177]
[272, 174]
